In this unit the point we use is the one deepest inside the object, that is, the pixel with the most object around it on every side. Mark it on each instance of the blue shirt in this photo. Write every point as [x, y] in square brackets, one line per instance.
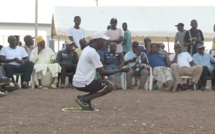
[101, 54]
[63, 56]
[145, 50]
[128, 56]
[204, 60]
[112, 59]
[156, 60]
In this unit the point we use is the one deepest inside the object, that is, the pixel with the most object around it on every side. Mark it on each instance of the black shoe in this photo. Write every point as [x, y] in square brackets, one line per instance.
[85, 105]
[3, 90]
[16, 86]
[179, 88]
[192, 87]
[203, 88]
[25, 85]
[91, 106]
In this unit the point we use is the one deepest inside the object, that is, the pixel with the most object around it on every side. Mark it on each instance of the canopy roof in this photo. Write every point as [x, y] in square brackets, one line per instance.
[155, 22]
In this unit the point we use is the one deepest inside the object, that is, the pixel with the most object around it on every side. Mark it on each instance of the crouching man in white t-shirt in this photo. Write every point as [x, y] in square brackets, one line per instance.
[89, 62]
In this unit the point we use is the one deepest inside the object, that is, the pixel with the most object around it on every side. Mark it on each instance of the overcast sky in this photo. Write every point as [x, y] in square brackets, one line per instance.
[24, 10]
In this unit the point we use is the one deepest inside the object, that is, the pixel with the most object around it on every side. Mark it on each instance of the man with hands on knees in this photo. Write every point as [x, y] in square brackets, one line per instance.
[88, 64]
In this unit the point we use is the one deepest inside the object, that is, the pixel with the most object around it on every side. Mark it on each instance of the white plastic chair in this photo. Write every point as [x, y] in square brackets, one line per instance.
[150, 79]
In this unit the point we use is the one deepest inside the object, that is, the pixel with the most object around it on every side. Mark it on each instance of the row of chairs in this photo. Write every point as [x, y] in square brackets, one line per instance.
[20, 75]
[151, 80]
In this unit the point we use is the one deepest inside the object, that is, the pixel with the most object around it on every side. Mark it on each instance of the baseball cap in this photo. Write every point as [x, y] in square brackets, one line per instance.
[180, 24]
[28, 36]
[98, 35]
[200, 45]
[113, 20]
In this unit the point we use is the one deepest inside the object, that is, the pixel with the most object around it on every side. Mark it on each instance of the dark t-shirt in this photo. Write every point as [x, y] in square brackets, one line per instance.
[156, 60]
[62, 56]
[112, 59]
[194, 35]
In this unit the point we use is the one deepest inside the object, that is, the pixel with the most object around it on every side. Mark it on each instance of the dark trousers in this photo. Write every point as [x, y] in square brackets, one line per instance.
[65, 69]
[25, 68]
[205, 74]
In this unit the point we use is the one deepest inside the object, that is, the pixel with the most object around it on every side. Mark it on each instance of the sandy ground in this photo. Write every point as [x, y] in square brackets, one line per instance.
[37, 111]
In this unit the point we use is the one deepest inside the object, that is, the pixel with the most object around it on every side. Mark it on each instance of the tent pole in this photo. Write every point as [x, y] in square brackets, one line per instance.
[36, 19]
[58, 42]
[97, 2]
[36, 32]
[168, 43]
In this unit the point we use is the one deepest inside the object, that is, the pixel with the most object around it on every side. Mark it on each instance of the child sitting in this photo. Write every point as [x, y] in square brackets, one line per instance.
[141, 63]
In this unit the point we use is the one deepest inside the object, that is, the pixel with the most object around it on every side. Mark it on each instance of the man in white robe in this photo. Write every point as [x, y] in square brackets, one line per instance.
[44, 62]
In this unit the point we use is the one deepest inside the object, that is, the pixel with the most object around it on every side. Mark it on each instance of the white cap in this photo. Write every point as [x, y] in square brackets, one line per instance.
[101, 35]
[68, 42]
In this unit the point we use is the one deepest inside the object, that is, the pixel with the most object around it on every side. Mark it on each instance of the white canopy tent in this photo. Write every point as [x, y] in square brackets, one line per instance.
[155, 22]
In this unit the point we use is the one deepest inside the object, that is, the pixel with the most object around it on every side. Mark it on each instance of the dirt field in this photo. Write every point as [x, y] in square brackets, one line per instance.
[121, 112]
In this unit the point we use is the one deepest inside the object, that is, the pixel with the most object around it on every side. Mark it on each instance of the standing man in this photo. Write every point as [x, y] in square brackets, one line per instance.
[88, 64]
[76, 33]
[193, 37]
[16, 61]
[213, 45]
[29, 42]
[116, 35]
[127, 39]
[179, 37]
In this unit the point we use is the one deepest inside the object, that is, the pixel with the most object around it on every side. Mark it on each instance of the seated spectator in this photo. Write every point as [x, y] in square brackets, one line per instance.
[130, 60]
[83, 44]
[68, 60]
[16, 60]
[29, 42]
[182, 64]
[160, 64]
[205, 59]
[3, 81]
[113, 61]
[44, 62]
[141, 63]
[5, 85]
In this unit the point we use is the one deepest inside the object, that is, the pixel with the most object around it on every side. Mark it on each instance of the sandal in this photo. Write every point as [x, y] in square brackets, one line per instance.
[40, 87]
[52, 86]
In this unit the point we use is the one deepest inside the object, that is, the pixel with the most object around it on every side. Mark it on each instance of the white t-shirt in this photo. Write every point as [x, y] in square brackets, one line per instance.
[86, 69]
[10, 53]
[114, 35]
[183, 59]
[77, 35]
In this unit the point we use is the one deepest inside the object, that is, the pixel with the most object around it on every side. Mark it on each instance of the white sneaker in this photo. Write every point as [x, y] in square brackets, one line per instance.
[2, 94]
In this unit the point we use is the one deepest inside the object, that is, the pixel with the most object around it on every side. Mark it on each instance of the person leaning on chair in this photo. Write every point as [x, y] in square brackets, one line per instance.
[15, 60]
[68, 60]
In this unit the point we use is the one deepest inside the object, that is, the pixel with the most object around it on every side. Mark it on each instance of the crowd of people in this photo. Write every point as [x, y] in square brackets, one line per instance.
[107, 54]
